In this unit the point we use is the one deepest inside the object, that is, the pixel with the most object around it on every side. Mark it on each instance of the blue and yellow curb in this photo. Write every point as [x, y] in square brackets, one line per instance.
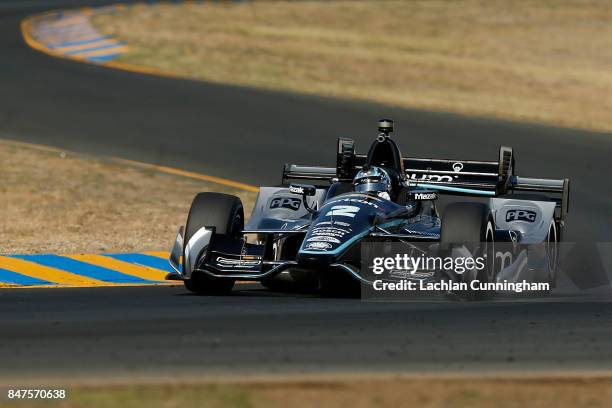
[69, 33]
[84, 270]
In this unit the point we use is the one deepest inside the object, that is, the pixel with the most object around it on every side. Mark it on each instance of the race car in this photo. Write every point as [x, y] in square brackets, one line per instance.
[316, 233]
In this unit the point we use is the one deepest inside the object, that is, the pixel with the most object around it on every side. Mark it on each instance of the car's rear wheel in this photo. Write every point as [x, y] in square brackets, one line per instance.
[470, 226]
[551, 244]
[552, 252]
[226, 214]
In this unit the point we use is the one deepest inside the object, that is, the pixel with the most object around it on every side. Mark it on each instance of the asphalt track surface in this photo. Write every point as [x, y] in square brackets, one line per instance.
[247, 135]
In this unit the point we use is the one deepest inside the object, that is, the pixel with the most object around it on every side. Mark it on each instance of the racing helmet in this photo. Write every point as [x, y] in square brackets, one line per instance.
[372, 179]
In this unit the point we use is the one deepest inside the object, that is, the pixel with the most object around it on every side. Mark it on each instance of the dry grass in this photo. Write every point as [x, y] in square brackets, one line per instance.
[59, 202]
[392, 393]
[531, 60]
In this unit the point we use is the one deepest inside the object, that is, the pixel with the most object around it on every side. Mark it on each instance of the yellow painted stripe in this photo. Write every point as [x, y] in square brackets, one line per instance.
[46, 273]
[159, 254]
[190, 174]
[120, 266]
[105, 51]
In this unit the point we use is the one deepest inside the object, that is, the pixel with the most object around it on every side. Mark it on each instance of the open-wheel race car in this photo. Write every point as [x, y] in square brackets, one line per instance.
[315, 232]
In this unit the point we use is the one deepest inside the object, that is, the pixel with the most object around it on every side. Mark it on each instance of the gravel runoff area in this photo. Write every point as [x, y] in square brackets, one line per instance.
[55, 201]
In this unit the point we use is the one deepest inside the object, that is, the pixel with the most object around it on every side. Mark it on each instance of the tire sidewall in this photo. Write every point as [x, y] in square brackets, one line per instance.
[225, 213]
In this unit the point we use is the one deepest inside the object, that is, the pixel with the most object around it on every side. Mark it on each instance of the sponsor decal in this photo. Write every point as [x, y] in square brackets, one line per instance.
[290, 203]
[336, 224]
[319, 246]
[236, 263]
[369, 201]
[426, 233]
[432, 177]
[324, 238]
[296, 190]
[425, 196]
[329, 231]
[520, 215]
[457, 167]
[343, 211]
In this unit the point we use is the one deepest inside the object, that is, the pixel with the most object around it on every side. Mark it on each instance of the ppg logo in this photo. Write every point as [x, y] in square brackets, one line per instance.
[286, 202]
[520, 215]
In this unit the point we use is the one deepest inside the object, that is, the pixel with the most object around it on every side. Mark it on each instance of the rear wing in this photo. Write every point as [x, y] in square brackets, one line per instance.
[460, 177]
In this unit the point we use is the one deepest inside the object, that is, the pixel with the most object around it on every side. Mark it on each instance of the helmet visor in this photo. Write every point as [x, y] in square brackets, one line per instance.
[370, 186]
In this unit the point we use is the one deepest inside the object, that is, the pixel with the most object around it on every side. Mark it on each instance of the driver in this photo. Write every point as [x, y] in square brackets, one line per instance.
[373, 180]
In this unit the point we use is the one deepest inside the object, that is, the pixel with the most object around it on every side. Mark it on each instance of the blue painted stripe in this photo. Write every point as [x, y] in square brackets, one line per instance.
[82, 268]
[144, 260]
[19, 279]
[95, 48]
[93, 40]
[59, 47]
[103, 58]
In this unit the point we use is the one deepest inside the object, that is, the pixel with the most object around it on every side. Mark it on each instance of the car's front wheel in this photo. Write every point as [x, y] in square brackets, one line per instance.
[226, 214]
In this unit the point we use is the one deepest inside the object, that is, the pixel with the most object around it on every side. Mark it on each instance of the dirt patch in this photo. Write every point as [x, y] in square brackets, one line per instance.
[60, 202]
[392, 393]
[528, 60]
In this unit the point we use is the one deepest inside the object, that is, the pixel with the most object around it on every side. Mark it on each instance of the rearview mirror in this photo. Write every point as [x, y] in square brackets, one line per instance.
[303, 189]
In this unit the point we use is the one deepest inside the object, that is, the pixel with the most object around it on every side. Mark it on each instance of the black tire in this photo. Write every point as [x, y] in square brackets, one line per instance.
[337, 284]
[471, 225]
[296, 280]
[552, 252]
[551, 245]
[226, 214]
